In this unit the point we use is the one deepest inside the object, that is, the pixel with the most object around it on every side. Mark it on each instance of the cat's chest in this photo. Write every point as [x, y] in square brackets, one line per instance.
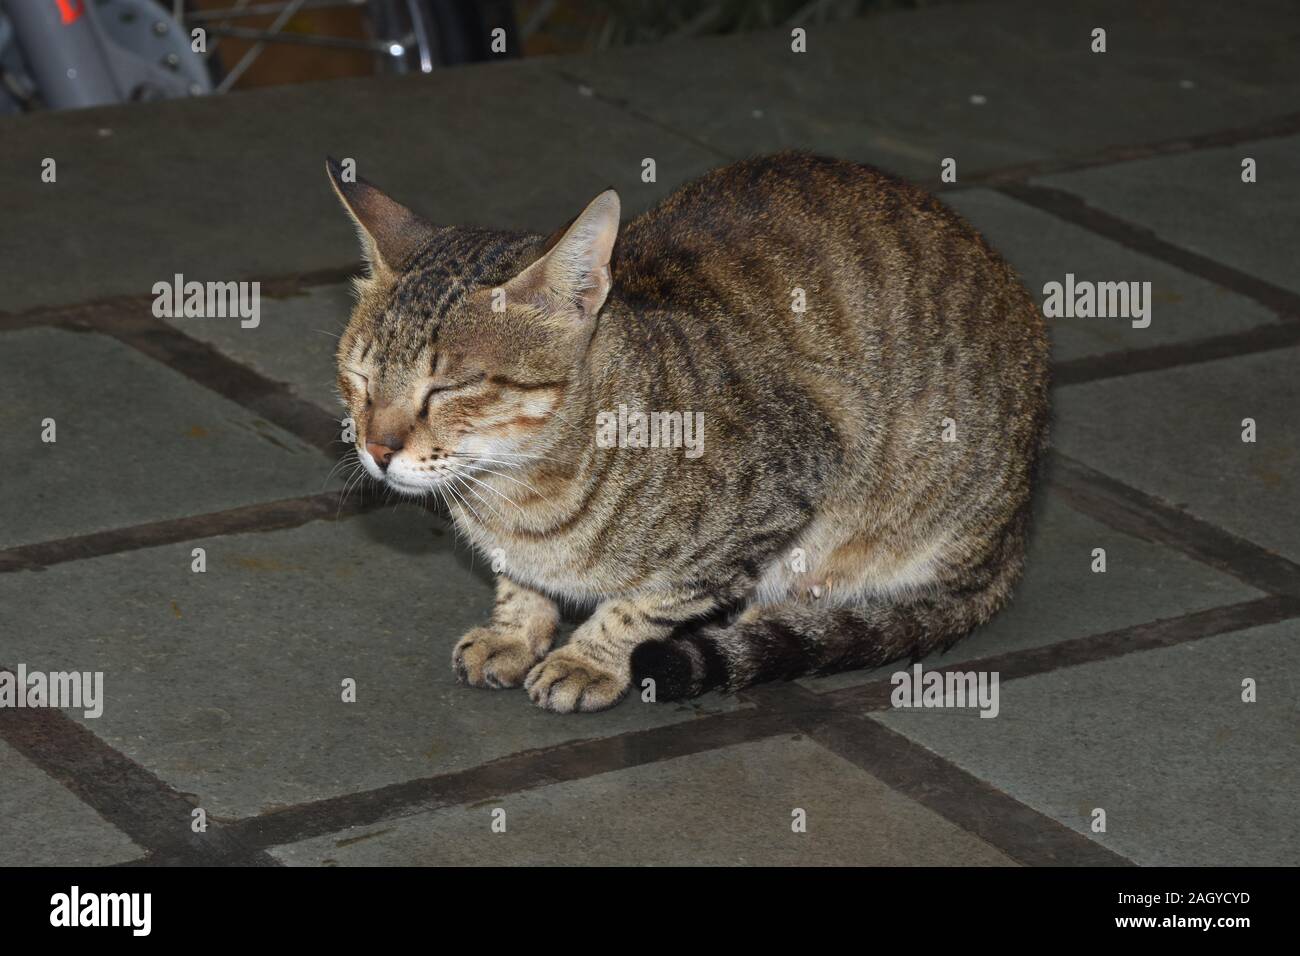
[545, 563]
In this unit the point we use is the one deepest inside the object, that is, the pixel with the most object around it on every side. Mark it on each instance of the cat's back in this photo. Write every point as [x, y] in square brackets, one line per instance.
[789, 196]
[754, 195]
[871, 254]
[794, 218]
[760, 199]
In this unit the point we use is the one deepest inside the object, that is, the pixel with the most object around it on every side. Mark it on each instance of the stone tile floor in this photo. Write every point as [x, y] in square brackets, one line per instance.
[1119, 691]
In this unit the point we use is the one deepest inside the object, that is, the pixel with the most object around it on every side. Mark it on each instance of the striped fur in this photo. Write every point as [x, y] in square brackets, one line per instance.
[826, 525]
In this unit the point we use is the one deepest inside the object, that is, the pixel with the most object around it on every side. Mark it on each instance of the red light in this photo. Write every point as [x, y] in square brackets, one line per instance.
[70, 11]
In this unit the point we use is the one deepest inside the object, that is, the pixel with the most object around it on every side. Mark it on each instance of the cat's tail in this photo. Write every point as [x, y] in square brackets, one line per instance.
[784, 641]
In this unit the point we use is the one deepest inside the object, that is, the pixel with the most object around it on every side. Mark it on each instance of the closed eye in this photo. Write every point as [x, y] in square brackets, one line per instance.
[442, 389]
[364, 386]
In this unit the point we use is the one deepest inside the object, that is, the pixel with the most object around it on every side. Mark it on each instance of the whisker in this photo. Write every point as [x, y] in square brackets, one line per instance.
[464, 503]
[352, 456]
[461, 533]
[477, 481]
[347, 485]
[503, 454]
[347, 480]
[359, 475]
[525, 458]
[502, 474]
[466, 475]
[442, 495]
[492, 461]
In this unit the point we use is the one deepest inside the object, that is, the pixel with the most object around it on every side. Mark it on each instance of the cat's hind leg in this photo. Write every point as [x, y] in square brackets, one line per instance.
[521, 632]
[785, 640]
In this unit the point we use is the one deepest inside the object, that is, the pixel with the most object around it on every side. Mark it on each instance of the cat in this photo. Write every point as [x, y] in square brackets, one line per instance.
[872, 382]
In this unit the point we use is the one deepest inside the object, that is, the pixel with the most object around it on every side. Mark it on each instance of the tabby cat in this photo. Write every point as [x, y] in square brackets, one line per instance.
[870, 376]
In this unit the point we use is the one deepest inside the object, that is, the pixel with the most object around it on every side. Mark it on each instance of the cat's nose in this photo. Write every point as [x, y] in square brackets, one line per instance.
[383, 451]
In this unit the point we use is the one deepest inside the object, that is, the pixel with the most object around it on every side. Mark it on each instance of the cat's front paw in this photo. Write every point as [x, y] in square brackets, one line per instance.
[488, 658]
[567, 681]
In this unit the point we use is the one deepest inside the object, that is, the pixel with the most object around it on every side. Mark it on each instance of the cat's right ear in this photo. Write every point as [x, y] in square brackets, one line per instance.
[389, 232]
[573, 274]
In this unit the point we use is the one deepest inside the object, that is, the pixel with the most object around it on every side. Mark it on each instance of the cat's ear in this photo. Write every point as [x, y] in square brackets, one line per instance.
[389, 231]
[574, 271]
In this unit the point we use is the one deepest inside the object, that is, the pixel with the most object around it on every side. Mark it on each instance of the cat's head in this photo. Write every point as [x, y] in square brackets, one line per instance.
[465, 344]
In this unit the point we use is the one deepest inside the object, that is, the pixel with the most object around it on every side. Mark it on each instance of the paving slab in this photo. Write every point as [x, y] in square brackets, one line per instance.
[1060, 598]
[898, 89]
[1177, 434]
[1187, 773]
[1198, 201]
[228, 684]
[1044, 248]
[294, 342]
[135, 442]
[43, 824]
[233, 187]
[732, 806]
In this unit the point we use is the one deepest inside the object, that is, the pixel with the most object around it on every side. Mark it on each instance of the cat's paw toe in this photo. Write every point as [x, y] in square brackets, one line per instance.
[486, 658]
[566, 683]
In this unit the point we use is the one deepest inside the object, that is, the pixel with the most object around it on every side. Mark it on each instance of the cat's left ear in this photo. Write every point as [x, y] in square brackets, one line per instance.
[390, 233]
[574, 272]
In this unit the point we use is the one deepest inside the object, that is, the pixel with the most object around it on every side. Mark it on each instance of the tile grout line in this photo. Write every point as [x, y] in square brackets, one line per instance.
[84, 315]
[269, 516]
[1275, 128]
[1270, 337]
[1066, 206]
[1094, 648]
[133, 800]
[233, 380]
[1134, 512]
[506, 776]
[973, 805]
